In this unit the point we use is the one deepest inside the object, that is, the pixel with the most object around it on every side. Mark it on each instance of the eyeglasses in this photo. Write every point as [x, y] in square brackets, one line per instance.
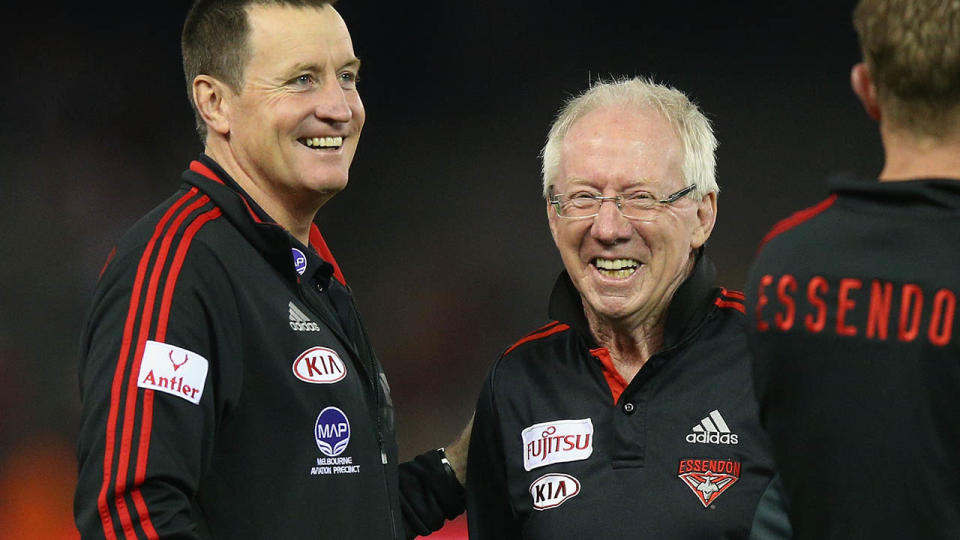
[640, 205]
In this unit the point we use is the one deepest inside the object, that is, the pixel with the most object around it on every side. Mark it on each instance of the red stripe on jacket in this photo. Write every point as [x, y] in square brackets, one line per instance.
[797, 218]
[110, 442]
[147, 316]
[160, 335]
[538, 335]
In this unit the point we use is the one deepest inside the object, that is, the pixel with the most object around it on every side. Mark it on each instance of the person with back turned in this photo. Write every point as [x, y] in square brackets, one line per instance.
[853, 304]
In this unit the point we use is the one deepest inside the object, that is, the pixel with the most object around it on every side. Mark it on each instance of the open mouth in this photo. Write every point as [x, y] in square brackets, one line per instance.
[616, 268]
[321, 143]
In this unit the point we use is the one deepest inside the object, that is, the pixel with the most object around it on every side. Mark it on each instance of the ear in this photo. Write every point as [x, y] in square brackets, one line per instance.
[706, 219]
[212, 98]
[862, 83]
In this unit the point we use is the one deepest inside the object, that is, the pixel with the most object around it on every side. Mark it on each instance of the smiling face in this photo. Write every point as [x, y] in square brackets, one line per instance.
[627, 271]
[294, 126]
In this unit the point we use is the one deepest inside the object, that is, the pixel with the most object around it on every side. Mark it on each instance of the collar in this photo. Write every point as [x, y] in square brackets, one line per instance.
[692, 301]
[934, 195]
[266, 235]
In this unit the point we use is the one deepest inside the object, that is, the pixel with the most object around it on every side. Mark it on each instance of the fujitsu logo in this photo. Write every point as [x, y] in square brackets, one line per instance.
[557, 442]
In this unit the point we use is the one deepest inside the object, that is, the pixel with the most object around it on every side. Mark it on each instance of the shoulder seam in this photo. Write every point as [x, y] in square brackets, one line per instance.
[796, 219]
[554, 327]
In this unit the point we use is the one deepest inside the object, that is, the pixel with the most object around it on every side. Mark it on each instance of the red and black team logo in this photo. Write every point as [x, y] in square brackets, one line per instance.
[708, 478]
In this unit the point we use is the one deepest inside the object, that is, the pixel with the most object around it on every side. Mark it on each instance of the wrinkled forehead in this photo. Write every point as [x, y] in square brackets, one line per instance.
[622, 146]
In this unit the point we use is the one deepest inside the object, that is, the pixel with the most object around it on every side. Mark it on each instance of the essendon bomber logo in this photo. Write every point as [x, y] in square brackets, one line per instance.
[708, 478]
[557, 442]
[319, 365]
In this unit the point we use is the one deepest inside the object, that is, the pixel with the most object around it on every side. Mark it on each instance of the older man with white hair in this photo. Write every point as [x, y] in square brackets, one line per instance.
[630, 415]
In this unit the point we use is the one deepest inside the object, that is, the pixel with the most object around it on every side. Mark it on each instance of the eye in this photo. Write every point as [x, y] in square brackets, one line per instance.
[638, 196]
[582, 195]
[581, 199]
[305, 79]
[348, 78]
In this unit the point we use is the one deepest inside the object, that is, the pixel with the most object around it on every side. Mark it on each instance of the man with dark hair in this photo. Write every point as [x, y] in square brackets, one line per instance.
[853, 304]
[229, 387]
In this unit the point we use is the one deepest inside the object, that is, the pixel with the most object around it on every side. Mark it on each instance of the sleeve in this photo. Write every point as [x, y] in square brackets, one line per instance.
[770, 521]
[152, 388]
[429, 494]
[490, 515]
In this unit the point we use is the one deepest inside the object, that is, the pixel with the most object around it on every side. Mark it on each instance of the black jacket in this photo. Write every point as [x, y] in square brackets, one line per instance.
[229, 388]
[857, 359]
[563, 448]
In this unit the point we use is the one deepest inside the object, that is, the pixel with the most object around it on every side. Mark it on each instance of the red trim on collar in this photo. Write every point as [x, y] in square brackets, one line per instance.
[320, 246]
[615, 380]
[316, 239]
[205, 171]
[731, 299]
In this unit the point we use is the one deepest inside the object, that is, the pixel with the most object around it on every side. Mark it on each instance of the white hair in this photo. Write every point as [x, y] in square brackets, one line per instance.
[689, 123]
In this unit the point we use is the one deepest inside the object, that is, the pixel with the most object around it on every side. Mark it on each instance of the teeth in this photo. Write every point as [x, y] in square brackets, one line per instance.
[323, 142]
[616, 268]
[615, 264]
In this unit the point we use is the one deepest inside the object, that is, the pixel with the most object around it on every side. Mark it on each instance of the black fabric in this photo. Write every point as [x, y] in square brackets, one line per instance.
[630, 485]
[853, 331]
[211, 279]
[429, 494]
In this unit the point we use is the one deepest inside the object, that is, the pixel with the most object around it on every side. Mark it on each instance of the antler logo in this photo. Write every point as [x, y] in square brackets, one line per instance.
[177, 366]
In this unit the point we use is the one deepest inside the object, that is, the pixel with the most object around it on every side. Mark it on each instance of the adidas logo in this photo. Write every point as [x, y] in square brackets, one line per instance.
[300, 322]
[712, 429]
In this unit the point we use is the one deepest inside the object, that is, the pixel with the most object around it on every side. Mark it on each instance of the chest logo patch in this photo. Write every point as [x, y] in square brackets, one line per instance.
[319, 365]
[172, 370]
[299, 261]
[713, 429]
[332, 431]
[559, 441]
[299, 320]
[708, 478]
[552, 490]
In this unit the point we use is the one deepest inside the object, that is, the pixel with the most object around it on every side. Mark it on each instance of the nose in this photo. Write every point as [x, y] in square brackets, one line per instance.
[332, 104]
[609, 225]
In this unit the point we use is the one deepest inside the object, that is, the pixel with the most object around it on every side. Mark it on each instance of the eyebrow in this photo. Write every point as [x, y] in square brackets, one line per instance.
[316, 68]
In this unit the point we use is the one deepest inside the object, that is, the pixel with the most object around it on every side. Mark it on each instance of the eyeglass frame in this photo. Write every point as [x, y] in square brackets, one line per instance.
[618, 200]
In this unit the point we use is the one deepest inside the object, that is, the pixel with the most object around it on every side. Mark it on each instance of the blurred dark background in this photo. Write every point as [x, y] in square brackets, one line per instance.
[442, 232]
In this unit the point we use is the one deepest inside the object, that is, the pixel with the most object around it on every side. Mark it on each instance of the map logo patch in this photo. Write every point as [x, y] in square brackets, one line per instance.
[552, 490]
[332, 431]
[708, 478]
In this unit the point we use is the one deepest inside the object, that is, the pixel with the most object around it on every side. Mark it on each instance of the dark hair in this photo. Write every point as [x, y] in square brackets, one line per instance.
[214, 42]
[913, 50]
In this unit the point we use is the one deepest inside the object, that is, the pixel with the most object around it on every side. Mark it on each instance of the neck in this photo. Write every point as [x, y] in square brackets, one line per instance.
[281, 205]
[910, 156]
[630, 346]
